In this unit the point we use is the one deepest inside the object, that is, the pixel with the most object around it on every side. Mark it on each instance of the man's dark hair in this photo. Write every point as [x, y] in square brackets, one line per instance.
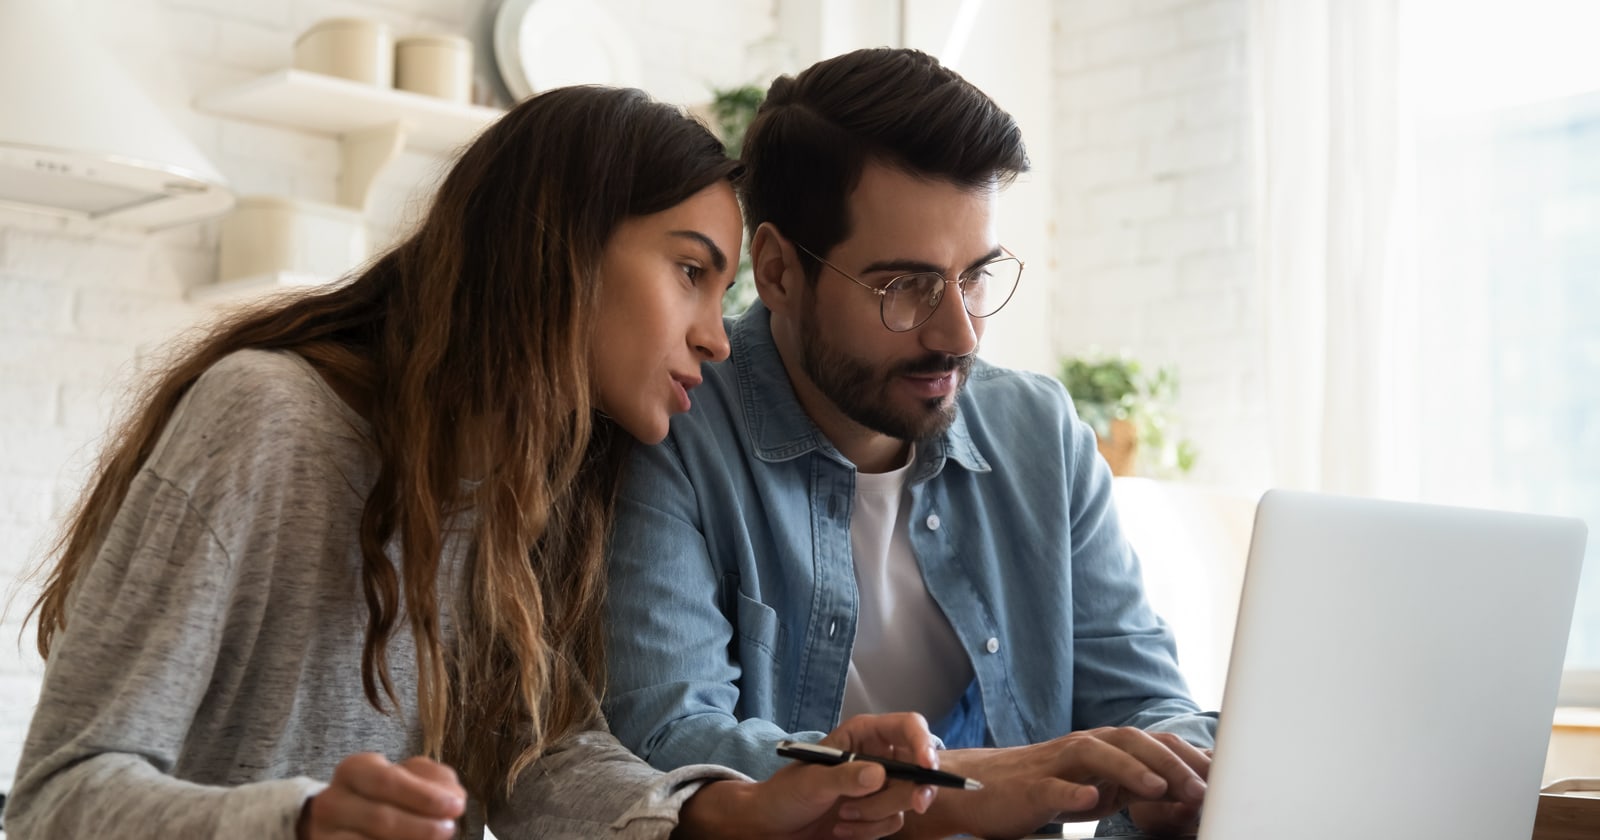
[815, 132]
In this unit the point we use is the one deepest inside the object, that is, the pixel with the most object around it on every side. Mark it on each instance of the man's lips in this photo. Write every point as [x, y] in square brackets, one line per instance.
[931, 385]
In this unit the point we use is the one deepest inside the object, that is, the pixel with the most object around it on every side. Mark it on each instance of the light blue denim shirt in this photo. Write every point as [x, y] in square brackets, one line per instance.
[733, 601]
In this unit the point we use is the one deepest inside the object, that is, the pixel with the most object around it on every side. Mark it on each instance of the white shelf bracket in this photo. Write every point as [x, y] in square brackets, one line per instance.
[363, 154]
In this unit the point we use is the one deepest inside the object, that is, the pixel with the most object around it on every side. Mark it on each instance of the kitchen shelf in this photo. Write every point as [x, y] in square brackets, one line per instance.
[337, 107]
[373, 124]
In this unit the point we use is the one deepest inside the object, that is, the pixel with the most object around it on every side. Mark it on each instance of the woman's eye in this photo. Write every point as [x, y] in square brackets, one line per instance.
[692, 272]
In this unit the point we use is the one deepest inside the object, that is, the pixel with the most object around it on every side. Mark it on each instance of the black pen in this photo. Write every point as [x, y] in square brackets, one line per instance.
[818, 754]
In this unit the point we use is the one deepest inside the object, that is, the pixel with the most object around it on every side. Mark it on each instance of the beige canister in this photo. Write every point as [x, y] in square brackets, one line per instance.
[351, 48]
[266, 234]
[435, 65]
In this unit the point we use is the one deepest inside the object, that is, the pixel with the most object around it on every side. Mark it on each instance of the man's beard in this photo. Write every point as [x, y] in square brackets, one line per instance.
[861, 392]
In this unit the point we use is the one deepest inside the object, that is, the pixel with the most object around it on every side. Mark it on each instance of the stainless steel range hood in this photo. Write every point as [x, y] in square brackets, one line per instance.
[79, 139]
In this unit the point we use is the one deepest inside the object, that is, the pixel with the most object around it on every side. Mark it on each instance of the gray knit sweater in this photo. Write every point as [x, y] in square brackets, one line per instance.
[210, 672]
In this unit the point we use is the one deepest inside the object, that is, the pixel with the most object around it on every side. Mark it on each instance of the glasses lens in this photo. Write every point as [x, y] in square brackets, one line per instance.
[989, 286]
[911, 299]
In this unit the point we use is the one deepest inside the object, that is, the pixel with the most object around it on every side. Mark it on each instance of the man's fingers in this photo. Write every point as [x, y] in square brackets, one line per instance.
[1198, 760]
[1165, 775]
[1121, 761]
[1059, 796]
[1164, 817]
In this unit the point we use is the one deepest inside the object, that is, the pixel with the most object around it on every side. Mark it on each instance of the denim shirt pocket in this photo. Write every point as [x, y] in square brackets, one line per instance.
[760, 640]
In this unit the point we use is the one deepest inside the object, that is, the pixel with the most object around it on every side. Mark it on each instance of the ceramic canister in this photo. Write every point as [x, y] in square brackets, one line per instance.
[352, 48]
[436, 65]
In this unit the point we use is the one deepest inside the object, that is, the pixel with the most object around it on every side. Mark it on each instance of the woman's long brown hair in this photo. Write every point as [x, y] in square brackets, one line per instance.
[482, 316]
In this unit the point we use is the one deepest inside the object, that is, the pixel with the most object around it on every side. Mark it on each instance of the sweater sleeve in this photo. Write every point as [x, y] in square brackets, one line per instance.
[588, 785]
[122, 685]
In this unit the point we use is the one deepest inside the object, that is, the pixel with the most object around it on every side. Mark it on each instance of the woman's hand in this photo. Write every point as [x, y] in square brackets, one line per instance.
[812, 801]
[372, 799]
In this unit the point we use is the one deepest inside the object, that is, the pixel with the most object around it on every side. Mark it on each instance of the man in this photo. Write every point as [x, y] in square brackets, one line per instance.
[858, 515]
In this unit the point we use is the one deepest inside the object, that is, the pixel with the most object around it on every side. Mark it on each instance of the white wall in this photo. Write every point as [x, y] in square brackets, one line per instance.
[81, 309]
[1152, 191]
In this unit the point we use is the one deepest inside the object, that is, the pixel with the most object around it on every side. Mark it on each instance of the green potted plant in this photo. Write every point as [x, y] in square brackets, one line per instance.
[1130, 411]
[732, 109]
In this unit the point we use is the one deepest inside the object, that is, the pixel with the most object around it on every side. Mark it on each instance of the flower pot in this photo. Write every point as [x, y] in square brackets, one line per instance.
[1120, 448]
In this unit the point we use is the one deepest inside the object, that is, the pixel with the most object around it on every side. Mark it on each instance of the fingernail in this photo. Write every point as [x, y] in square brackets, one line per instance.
[1151, 780]
[924, 799]
[455, 803]
[448, 826]
[1196, 789]
[850, 812]
[930, 758]
[864, 777]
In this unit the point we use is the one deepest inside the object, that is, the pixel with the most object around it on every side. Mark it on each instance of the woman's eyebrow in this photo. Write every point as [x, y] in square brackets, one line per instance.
[718, 259]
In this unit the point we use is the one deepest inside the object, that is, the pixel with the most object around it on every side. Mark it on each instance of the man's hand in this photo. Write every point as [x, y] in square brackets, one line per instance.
[1078, 777]
[810, 801]
[369, 798]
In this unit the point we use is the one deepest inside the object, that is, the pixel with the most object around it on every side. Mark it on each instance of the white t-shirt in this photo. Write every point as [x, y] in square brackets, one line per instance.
[907, 657]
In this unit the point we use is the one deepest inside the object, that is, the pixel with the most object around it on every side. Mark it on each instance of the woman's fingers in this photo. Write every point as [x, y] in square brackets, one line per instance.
[903, 736]
[892, 800]
[402, 786]
[368, 797]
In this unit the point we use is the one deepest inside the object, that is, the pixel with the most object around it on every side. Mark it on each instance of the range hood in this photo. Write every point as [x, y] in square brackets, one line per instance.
[78, 138]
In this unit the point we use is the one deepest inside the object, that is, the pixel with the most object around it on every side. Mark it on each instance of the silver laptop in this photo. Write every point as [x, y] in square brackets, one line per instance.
[1394, 671]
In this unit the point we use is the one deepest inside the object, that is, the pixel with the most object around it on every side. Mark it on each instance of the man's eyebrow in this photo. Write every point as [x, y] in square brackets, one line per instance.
[902, 266]
[718, 259]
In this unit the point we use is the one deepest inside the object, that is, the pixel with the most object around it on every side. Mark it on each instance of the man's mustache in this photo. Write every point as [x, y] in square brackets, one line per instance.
[934, 363]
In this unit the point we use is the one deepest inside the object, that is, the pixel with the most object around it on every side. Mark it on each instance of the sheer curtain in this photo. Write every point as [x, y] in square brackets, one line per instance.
[1333, 228]
[1427, 185]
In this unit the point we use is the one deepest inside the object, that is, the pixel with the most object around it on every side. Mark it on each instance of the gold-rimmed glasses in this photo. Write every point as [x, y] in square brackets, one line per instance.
[907, 301]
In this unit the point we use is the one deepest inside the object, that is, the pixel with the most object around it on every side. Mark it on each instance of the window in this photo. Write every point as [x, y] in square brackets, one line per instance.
[1508, 260]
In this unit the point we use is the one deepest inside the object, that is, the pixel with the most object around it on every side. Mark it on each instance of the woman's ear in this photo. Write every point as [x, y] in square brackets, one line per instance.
[776, 268]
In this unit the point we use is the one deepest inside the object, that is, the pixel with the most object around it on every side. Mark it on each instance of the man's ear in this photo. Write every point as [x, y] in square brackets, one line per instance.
[776, 267]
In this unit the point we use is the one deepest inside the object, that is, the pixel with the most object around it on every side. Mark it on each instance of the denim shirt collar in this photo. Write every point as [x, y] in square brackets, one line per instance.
[778, 426]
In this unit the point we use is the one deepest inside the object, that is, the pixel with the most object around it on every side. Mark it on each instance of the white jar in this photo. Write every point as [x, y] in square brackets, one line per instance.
[351, 48]
[268, 234]
[435, 65]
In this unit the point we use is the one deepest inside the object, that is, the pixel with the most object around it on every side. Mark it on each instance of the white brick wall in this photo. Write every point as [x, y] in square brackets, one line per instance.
[79, 307]
[1152, 192]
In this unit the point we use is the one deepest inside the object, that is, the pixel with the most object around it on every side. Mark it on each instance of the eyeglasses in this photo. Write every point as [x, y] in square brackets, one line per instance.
[907, 301]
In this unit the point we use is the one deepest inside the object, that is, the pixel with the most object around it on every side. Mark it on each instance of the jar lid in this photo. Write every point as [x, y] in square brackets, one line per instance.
[332, 24]
[434, 39]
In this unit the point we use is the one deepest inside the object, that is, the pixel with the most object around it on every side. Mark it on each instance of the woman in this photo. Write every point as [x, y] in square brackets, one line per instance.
[366, 526]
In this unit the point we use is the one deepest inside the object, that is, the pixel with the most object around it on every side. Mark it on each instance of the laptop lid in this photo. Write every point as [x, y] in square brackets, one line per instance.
[1394, 671]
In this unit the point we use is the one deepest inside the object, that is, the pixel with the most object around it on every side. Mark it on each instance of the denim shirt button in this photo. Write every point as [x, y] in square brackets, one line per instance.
[833, 627]
[933, 521]
[992, 646]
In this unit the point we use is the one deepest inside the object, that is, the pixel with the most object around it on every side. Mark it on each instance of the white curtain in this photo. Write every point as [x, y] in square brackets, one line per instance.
[1332, 236]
